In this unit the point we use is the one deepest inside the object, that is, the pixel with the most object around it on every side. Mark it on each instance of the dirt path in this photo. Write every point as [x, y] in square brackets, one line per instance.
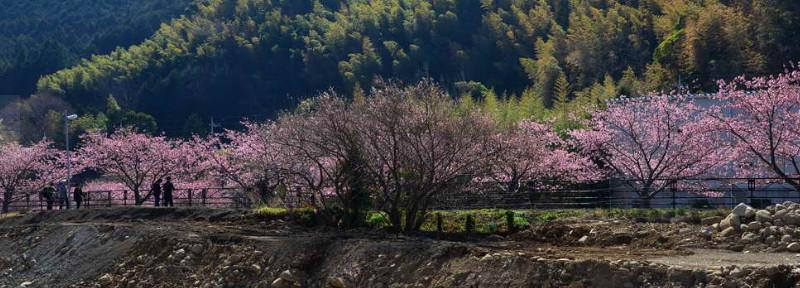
[710, 259]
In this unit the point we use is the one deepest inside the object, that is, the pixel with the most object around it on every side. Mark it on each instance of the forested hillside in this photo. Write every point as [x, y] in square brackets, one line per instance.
[253, 57]
[39, 37]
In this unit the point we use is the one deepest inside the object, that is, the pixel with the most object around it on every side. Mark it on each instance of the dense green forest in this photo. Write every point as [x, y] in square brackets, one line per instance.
[39, 37]
[518, 58]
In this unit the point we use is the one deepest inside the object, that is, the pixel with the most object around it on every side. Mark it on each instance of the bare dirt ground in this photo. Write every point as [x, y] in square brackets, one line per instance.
[145, 247]
[710, 259]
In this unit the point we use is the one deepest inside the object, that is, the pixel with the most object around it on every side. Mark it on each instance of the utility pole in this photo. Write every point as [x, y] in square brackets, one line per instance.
[213, 125]
[68, 118]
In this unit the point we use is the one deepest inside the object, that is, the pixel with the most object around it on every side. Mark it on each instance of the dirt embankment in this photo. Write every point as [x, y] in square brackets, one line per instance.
[142, 247]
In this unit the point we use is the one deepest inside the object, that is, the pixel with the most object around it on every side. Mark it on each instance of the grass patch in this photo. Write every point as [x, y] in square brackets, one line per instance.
[496, 221]
[658, 213]
[306, 216]
[491, 221]
[271, 211]
[9, 215]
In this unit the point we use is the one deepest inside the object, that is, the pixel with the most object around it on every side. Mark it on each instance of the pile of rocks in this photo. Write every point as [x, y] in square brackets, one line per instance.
[775, 228]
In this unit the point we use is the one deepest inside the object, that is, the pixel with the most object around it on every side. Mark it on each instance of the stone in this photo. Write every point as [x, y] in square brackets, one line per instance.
[770, 239]
[754, 226]
[786, 238]
[235, 258]
[105, 279]
[763, 216]
[293, 275]
[792, 219]
[731, 221]
[710, 220]
[749, 213]
[749, 237]
[338, 282]
[793, 247]
[780, 214]
[196, 249]
[740, 210]
[736, 247]
[727, 232]
[26, 284]
[281, 283]
[583, 239]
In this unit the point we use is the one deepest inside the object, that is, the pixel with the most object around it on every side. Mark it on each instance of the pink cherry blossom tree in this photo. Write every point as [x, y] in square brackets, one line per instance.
[138, 160]
[762, 117]
[651, 143]
[26, 170]
[533, 151]
[417, 147]
[249, 159]
[322, 148]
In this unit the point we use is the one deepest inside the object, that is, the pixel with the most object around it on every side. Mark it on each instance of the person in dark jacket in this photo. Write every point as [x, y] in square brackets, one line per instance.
[168, 189]
[48, 194]
[77, 194]
[63, 195]
[156, 190]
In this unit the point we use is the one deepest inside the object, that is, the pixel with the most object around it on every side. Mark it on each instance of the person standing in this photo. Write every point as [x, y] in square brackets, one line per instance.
[168, 189]
[63, 195]
[156, 190]
[47, 194]
[78, 196]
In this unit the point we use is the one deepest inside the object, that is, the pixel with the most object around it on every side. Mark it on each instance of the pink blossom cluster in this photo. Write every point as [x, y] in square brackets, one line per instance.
[402, 146]
[137, 160]
[655, 142]
[26, 170]
[533, 151]
[762, 119]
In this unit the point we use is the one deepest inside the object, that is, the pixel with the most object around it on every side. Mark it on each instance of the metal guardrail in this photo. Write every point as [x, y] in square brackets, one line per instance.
[685, 193]
[204, 197]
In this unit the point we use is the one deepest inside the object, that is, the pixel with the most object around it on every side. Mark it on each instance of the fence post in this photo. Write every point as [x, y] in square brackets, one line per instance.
[510, 221]
[673, 188]
[40, 202]
[469, 226]
[124, 197]
[28, 201]
[751, 186]
[439, 222]
[190, 197]
[203, 195]
[109, 199]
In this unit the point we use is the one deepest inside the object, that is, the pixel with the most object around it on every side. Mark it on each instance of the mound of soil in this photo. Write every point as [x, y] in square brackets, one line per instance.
[146, 247]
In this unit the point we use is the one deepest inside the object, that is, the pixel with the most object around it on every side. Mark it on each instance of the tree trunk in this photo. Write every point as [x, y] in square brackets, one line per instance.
[396, 217]
[644, 196]
[137, 197]
[643, 202]
[7, 200]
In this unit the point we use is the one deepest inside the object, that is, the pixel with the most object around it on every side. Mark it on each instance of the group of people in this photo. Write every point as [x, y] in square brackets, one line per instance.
[58, 192]
[167, 188]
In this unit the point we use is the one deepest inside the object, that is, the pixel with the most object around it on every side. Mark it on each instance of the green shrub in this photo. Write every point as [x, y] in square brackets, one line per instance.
[490, 228]
[378, 220]
[520, 221]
